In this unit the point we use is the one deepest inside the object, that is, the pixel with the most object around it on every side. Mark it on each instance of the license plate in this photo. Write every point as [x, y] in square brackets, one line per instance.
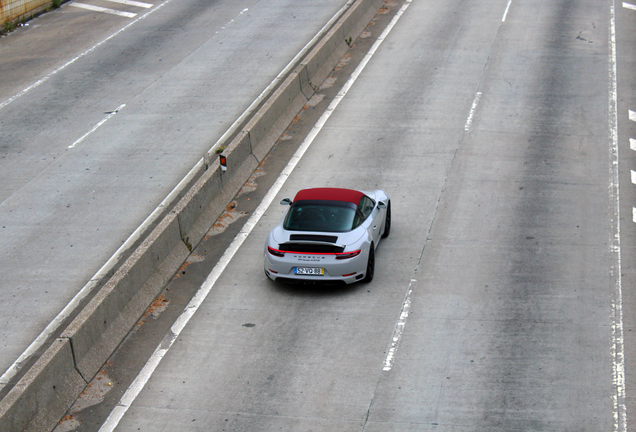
[311, 271]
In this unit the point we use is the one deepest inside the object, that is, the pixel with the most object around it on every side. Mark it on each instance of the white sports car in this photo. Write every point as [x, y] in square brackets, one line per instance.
[328, 235]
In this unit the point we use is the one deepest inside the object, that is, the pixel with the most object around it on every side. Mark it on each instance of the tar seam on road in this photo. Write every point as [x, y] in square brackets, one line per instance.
[140, 381]
[617, 347]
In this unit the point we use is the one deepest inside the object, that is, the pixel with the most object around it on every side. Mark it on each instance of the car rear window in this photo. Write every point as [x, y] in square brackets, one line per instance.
[321, 216]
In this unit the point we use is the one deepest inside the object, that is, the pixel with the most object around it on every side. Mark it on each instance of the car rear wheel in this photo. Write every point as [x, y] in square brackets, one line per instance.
[368, 277]
[387, 221]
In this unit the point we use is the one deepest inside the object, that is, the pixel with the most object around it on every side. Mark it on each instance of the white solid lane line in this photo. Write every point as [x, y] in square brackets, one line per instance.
[104, 10]
[617, 347]
[629, 6]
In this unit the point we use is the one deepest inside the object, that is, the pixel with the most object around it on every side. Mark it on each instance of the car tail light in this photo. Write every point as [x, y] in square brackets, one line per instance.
[347, 255]
[275, 252]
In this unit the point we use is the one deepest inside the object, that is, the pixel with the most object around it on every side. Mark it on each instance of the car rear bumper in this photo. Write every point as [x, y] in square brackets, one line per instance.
[314, 279]
[348, 272]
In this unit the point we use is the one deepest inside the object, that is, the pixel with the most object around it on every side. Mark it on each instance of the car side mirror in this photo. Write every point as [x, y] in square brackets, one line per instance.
[286, 201]
[381, 205]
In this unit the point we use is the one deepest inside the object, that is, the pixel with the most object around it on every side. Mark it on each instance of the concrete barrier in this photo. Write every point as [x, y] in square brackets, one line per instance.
[207, 198]
[48, 389]
[275, 116]
[328, 52]
[106, 320]
[44, 394]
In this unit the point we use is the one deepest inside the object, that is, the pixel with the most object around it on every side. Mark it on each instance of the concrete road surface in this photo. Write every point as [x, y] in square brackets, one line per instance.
[503, 299]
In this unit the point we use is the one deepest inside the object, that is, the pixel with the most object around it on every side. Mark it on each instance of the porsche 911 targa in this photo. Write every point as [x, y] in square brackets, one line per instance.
[328, 235]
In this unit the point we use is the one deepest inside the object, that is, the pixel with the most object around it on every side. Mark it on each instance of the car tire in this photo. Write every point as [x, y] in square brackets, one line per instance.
[387, 221]
[368, 277]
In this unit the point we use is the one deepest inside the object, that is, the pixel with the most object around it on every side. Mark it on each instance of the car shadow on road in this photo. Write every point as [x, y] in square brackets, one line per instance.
[316, 289]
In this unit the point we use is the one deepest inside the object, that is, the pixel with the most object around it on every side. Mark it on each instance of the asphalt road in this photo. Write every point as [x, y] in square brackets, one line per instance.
[503, 299]
[102, 115]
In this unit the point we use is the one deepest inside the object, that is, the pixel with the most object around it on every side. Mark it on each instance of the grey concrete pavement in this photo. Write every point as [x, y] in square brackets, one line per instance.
[184, 74]
[502, 226]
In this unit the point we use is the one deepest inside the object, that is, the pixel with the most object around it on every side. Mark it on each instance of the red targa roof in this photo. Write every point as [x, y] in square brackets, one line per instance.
[329, 194]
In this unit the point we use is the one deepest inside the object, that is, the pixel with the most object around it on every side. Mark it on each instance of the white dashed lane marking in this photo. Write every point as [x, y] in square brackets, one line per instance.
[632, 141]
[629, 6]
[471, 114]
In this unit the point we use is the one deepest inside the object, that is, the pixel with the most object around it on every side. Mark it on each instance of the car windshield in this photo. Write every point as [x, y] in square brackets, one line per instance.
[320, 216]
